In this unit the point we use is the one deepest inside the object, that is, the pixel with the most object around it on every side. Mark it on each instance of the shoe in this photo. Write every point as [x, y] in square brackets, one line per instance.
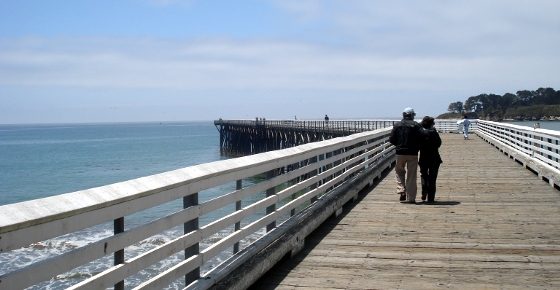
[410, 202]
[403, 197]
[424, 195]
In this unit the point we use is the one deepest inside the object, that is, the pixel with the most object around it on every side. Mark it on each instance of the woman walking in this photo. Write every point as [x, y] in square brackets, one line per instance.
[430, 159]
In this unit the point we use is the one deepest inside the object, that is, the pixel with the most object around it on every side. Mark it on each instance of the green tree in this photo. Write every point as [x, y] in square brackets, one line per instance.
[470, 104]
[456, 107]
[493, 103]
[507, 101]
[540, 101]
[476, 103]
[525, 97]
[544, 96]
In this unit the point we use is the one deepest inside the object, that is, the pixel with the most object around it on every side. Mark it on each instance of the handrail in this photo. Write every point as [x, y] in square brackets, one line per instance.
[450, 125]
[297, 176]
[535, 148]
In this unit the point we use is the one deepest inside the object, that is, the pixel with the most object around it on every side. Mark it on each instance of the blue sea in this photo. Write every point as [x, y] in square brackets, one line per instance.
[38, 161]
[550, 125]
[43, 160]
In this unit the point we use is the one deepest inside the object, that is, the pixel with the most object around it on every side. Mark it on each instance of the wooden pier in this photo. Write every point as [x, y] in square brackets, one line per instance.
[495, 225]
[246, 137]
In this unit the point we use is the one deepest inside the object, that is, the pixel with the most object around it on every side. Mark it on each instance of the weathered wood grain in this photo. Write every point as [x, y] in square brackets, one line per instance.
[495, 225]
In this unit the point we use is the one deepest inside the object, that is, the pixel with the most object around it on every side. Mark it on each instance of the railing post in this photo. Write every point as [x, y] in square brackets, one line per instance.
[192, 225]
[320, 169]
[295, 166]
[311, 174]
[118, 227]
[270, 192]
[238, 186]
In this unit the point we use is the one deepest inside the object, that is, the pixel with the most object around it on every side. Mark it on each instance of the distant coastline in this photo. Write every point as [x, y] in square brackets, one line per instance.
[529, 115]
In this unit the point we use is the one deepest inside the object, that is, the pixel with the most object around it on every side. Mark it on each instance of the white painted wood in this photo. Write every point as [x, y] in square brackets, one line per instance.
[60, 264]
[450, 125]
[524, 145]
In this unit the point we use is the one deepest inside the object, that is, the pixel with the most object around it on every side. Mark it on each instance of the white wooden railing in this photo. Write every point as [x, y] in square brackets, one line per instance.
[537, 149]
[296, 177]
[450, 125]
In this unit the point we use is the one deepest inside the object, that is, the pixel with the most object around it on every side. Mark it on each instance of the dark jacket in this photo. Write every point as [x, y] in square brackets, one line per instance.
[406, 136]
[429, 153]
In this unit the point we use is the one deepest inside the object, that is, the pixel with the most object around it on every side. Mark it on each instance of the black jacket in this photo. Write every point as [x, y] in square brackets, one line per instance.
[406, 136]
[429, 153]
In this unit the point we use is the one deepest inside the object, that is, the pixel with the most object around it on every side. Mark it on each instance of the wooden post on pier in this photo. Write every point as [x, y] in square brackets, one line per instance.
[118, 226]
[238, 186]
[190, 226]
[270, 192]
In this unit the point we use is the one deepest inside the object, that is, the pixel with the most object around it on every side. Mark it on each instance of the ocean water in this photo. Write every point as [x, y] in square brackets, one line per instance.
[550, 125]
[38, 161]
[44, 160]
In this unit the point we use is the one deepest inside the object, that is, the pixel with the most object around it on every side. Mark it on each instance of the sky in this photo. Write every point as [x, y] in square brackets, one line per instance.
[189, 60]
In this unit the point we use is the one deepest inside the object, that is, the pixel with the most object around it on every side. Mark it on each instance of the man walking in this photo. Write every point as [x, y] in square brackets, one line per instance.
[406, 136]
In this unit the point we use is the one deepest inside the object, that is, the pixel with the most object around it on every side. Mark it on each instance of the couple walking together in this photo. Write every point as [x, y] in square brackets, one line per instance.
[410, 137]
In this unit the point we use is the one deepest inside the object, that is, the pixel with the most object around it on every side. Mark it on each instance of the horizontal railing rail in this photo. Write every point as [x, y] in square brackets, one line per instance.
[450, 125]
[278, 184]
[537, 149]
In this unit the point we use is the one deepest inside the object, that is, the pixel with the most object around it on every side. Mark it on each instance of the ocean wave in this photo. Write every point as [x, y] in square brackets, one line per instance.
[47, 249]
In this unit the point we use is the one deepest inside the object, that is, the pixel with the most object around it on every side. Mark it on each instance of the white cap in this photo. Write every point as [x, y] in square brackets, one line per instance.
[409, 111]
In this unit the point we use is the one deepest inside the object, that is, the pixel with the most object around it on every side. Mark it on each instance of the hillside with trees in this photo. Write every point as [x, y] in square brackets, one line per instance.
[541, 104]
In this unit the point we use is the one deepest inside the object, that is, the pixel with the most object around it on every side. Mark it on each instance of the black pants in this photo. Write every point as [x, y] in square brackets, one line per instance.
[428, 176]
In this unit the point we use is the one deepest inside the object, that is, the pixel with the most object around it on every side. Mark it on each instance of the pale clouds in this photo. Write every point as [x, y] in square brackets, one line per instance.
[236, 64]
[442, 51]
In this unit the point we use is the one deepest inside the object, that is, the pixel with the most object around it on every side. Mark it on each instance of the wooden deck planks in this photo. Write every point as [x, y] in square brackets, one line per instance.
[496, 226]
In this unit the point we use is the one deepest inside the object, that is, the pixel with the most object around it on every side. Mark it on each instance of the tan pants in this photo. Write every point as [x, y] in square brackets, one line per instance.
[407, 165]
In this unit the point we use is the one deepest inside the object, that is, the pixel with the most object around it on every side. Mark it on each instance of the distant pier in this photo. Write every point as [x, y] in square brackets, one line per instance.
[246, 137]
